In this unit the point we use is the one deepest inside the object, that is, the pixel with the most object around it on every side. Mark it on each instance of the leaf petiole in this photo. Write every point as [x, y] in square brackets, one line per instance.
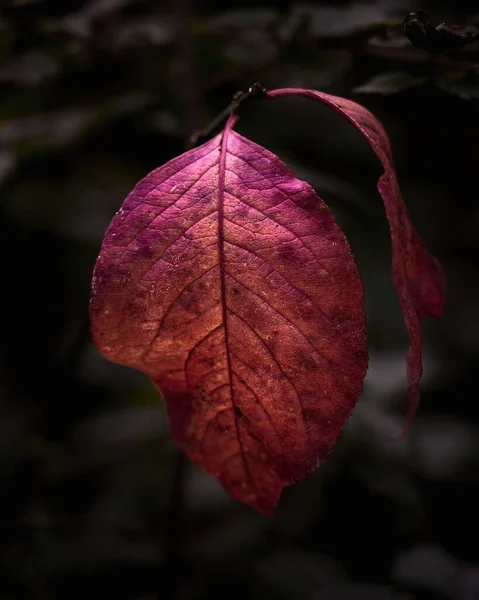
[239, 100]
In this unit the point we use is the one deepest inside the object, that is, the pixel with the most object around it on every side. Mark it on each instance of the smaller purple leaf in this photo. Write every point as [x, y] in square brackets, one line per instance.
[417, 275]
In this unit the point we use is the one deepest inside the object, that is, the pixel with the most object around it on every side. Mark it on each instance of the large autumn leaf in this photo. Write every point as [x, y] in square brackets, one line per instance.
[417, 274]
[227, 281]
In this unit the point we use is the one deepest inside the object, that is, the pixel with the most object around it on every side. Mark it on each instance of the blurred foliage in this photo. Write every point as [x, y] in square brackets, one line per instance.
[95, 94]
[390, 82]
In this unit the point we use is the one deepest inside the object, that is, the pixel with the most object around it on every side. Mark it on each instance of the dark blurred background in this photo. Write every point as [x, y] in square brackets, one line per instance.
[95, 500]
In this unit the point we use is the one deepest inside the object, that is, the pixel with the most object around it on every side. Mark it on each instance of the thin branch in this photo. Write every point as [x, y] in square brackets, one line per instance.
[356, 47]
[240, 99]
[409, 55]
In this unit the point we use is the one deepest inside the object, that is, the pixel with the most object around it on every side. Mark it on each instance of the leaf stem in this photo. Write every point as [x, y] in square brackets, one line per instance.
[240, 99]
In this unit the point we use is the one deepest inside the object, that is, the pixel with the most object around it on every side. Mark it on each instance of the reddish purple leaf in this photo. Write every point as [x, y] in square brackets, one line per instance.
[417, 275]
[227, 281]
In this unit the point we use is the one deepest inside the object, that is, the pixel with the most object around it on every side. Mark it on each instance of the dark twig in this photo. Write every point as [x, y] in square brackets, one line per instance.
[406, 55]
[356, 47]
[240, 99]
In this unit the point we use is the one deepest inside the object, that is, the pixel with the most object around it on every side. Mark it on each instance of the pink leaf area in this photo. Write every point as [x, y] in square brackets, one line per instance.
[227, 281]
[417, 274]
